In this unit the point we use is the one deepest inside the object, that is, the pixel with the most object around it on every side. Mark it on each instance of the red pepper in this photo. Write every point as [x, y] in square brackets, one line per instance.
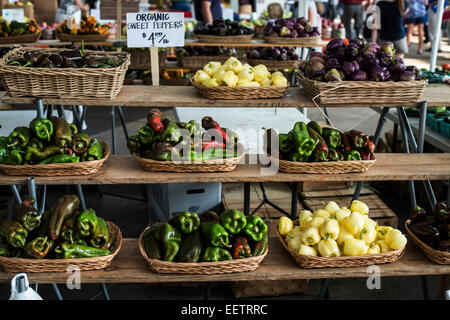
[212, 144]
[371, 146]
[69, 151]
[154, 118]
[367, 155]
[209, 123]
[241, 249]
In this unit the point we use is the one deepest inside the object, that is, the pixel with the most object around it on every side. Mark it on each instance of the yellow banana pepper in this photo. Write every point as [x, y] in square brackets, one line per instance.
[395, 239]
[201, 76]
[210, 83]
[303, 217]
[285, 225]
[219, 74]
[315, 222]
[354, 223]
[261, 72]
[279, 82]
[307, 250]
[294, 244]
[211, 67]
[266, 82]
[368, 235]
[328, 248]
[230, 79]
[295, 232]
[233, 65]
[332, 207]
[383, 246]
[359, 206]
[330, 229]
[354, 247]
[343, 234]
[341, 214]
[246, 74]
[374, 248]
[322, 213]
[382, 231]
[310, 236]
[369, 222]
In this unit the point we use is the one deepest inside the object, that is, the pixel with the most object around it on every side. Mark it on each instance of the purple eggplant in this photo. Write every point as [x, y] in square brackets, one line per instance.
[303, 34]
[384, 58]
[397, 65]
[386, 72]
[349, 68]
[343, 76]
[254, 54]
[414, 70]
[338, 53]
[313, 67]
[371, 49]
[302, 21]
[406, 76]
[294, 33]
[319, 75]
[359, 76]
[333, 75]
[289, 25]
[370, 62]
[351, 51]
[283, 57]
[388, 47]
[314, 34]
[376, 74]
[299, 27]
[335, 43]
[333, 63]
[316, 54]
[358, 42]
[276, 52]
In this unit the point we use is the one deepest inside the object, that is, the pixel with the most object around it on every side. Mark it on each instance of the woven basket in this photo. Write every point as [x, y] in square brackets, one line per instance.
[221, 267]
[437, 256]
[57, 169]
[324, 167]
[16, 265]
[364, 91]
[140, 59]
[272, 64]
[313, 41]
[26, 38]
[239, 93]
[224, 39]
[64, 37]
[198, 62]
[309, 262]
[218, 165]
[63, 82]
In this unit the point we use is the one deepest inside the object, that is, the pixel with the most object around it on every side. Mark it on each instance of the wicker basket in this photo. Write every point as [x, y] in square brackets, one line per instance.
[330, 167]
[16, 265]
[240, 93]
[57, 169]
[309, 262]
[437, 256]
[140, 59]
[312, 41]
[224, 39]
[26, 38]
[198, 62]
[218, 165]
[221, 267]
[63, 82]
[64, 37]
[364, 92]
[275, 65]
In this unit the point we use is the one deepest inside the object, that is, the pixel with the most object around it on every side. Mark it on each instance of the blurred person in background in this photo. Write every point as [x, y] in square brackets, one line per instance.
[207, 10]
[432, 20]
[353, 10]
[391, 25]
[179, 5]
[332, 10]
[64, 5]
[416, 17]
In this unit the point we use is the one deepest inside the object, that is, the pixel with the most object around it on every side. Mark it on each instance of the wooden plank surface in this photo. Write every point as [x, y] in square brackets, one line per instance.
[188, 96]
[124, 169]
[130, 267]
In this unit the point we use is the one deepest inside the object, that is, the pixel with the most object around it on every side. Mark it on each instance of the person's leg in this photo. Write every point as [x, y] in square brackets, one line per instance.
[347, 21]
[421, 35]
[359, 20]
[410, 33]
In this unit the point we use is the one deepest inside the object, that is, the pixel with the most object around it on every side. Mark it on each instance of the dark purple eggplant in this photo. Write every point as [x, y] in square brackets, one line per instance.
[406, 76]
[359, 76]
[317, 59]
[397, 65]
[319, 75]
[303, 34]
[384, 58]
[351, 51]
[333, 63]
[299, 27]
[348, 68]
[370, 62]
[444, 230]
[254, 54]
[377, 74]
[358, 42]
[303, 65]
[314, 34]
[294, 33]
[302, 21]
[335, 43]
[371, 49]
[295, 56]
[289, 24]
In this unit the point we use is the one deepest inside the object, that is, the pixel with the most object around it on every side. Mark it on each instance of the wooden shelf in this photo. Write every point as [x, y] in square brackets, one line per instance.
[130, 267]
[124, 169]
[187, 96]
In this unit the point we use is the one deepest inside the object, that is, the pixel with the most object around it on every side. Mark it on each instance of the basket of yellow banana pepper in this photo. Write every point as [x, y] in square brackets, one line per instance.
[19, 32]
[339, 237]
[88, 30]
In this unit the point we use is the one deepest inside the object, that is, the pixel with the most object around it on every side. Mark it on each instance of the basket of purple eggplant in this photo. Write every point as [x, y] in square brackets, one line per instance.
[360, 72]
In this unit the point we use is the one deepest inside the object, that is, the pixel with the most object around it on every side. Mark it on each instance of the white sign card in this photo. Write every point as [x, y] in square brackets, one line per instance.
[14, 14]
[155, 29]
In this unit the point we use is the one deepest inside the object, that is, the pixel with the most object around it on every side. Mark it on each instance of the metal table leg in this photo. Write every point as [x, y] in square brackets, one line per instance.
[105, 291]
[270, 203]
[81, 196]
[323, 293]
[394, 138]
[124, 124]
[57, 292]
[246, 198]
[422, 120]
[294, 200]
[208, 290]
[425, 287]
[113, 129]
[32, 190]
[325, 110]
[40, 108]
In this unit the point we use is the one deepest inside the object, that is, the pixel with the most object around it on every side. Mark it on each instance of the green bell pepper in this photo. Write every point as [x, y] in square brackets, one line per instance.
[215, 254]
[334, 155]
[303, 144]
[94, 152]
[70, 251]
[146, 135]
[186, 222]
[255, 228]
[161, 152]
[151, 245]
[14, 233]
[35, 143]
[40, 154]
[19, 137]
[233, 220]
[172, 133]
[215, 234]
[315, 126]
[171, 240]
[332, 138]
[61, 158]
[41, 128]
[191, 248]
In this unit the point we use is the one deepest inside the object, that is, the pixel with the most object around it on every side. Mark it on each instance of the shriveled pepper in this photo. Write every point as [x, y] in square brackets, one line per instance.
[94, 152]
[68, 229]
[186, 222]
[134, 144]
[62, 210]
[346, 145]
[61, 158]
[63, 133]
[154, 119]
[35, 143]
[334, 155]
[100, 236]
[241, 248]
[39, 154]
[19, 137]
[233, 220]
[215, 254]
[27, 215]
[151, 246]
[210, 123]
[215, 234]
[41, 128]
[71, 251]
[261, 246]
[170, 238]
[37, 248]
[14, 233]
[80, 143]
[357, 139]
[256, 228]
[332, 138]
[145, 135]
[352, 155]
[87, 222]
[320, 152]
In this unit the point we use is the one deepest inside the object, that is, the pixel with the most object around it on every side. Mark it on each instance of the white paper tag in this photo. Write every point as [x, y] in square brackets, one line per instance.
[14, 14]
[155, 29]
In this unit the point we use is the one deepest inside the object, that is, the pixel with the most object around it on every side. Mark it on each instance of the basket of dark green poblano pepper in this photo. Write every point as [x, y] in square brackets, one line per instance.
[312, 148]
[51, 147]
[163, 144]
[58, 238]
[207, 243]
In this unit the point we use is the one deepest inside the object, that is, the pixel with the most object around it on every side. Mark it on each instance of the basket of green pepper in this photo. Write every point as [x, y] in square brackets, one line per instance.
[19, 32]
[165, 145]
[51, 147]
[312, 148]
[60, 237]
[207, 243]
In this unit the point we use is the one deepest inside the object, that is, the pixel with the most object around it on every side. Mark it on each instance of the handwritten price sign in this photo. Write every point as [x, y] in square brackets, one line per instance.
[155, 29]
